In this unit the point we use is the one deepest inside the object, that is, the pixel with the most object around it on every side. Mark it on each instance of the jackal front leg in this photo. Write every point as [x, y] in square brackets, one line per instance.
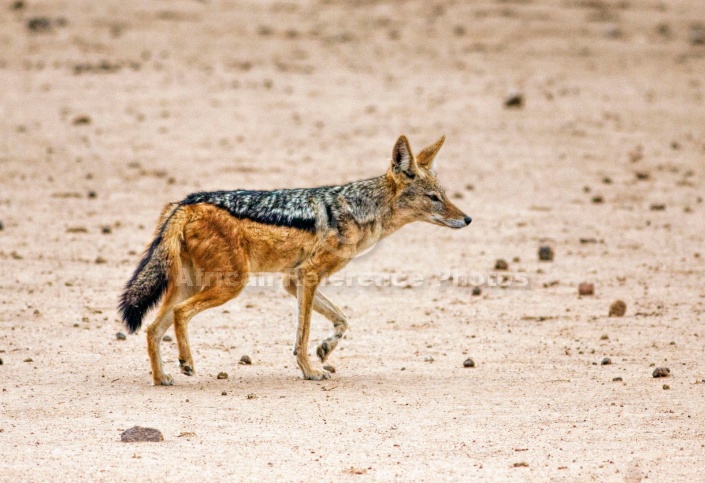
[305, 293]
[329, 310]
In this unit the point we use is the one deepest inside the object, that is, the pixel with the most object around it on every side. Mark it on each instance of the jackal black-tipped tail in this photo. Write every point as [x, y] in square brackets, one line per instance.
[147, 285]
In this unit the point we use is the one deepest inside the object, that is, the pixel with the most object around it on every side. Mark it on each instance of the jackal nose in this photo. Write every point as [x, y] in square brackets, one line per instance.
[467, 220]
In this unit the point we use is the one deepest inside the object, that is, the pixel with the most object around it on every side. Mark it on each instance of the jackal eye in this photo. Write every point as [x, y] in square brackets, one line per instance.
[433, 197]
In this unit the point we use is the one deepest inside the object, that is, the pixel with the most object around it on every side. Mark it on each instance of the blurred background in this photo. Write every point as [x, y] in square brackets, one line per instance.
[578, 124]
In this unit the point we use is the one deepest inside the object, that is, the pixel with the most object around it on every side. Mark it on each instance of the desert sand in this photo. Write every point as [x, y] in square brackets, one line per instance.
[109, 110]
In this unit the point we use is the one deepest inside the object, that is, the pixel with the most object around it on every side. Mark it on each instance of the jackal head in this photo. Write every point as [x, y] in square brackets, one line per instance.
[419, 195]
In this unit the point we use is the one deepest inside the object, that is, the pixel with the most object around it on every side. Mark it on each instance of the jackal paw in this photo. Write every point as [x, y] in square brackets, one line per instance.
[316, 375]
[325, 348]
[164, 380]
[186, 369]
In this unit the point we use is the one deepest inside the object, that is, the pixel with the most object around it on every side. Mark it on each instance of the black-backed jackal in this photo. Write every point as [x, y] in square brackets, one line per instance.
[307, 234]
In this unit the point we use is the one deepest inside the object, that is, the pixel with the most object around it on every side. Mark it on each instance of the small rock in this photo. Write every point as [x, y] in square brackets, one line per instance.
[100, 260]
[92, 194]
[697, 34]
[606, 361]
[514, 100]
[617, 379]
[612, 31]
[139, 434]
[29, 359]
[167, 338]
[106, 230]
[39, 24]
[224, 393]
[657, 207]
[1, 362]
[598, 199]
[546, 253]
[18, 5]
[252, 396]
[222, 375]
[586, 289]
[428, 359]
[618, 308]
[666, 386]
[501, 264]
[329, 368]
[245, 360]
[604, 337]
[642, 175]
[120, 336]
[607, 180]
[476, 291]
[81, 120]
[468, 363]
[2, 226]
[661, 372]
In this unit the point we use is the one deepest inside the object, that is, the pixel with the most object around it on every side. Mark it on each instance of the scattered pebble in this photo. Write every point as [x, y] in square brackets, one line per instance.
[252, 396]
[501, 264]
[586, 289]
[618, 308]
[329, 368]
[100, 260]
[607, 180]
[222, 375]
[617, 379]
[697, 34]
[2, 226]
[39, 24]
[120, 336]
[468, 363]
[666, 386]
[657, 207]
[546, 253]
[224, 393]
[612, 31]
[167, 338]
[245, 360]
[92, 194]
[514, 100]
[139, 434]
[606, 361]
[642, 175]
[604, 337]
[428, 359]
[29, 359]
[18, 5]
[476, 291]
[521, 464]
[597, 199]
[106, 230]
[81, 120]
[662, 372]
[1, 362]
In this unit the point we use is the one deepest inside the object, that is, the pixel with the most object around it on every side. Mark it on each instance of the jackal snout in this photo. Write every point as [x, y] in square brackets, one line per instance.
[421, 196]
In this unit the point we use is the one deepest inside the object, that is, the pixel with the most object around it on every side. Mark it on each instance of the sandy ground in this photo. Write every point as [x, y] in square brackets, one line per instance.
[141, 103]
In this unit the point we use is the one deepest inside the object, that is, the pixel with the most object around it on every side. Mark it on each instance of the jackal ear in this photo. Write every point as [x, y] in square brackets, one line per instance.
[427, 158]
[402, 159]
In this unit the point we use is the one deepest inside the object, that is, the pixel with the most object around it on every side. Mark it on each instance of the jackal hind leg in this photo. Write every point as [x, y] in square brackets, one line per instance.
[209, 297]
[155, 332]
[324, 306]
